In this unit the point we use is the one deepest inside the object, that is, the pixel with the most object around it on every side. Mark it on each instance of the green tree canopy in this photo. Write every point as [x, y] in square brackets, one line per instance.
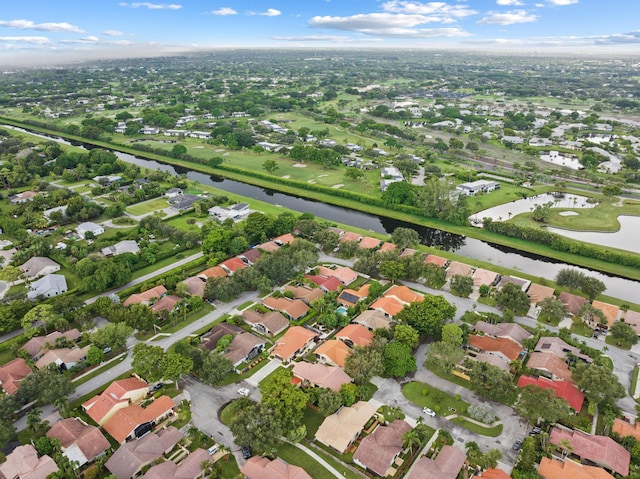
[599, 385]
[398, 359]
[537, 404]
[428, 316]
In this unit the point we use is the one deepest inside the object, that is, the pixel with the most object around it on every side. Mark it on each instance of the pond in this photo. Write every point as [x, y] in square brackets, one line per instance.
[625, 238]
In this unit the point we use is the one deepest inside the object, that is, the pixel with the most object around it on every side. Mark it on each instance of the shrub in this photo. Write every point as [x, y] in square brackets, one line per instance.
[482, 413]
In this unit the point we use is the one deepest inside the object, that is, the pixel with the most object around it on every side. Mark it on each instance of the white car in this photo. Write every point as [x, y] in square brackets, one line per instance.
[243, 392]
[429, 412]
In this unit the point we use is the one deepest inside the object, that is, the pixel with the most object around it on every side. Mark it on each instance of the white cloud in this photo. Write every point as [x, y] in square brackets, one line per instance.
[47, 27]
[430, 8]
[617, 38]
[325, 38]
[508, 18]
[223, 11]
[113, 33]
[509, 2]
[562, 3]
[152, 6]
[271, 12]
[23, 39]
[370, 21]
[86, 40]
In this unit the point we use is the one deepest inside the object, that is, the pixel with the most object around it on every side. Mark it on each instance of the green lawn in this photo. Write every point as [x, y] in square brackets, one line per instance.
[295, 456]
[148, 206]
[581, 329]
[335, 463]
[494, 431]
[164, 262]
[617, 342]
[312, 420]
[98, 371]
[441, 402]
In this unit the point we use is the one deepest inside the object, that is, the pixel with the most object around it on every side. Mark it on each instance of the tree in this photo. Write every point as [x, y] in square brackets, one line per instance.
[7, 433]
[287, 400]
[512, 297]
[592, 287]
[113, 335]
[178, 151]
[427, 316]
[392, 269]
[599, 385]
[10, 273]
[542, 213]
[270, 166]
[257, 226]
[443, 355]
[623, 332]
[452, 334]
[329, 402]
[490, 381]
[364, 363]
[95, 355]
[570, 278]
[411, 439]
[35, 423]
[328, 240]
[214, 369]
[434, 276]
[174, 365]
[405, 334]
[537, 404]
[258, 426]
[147, 361]
[551, 310]
[41, 314]
[45, 386]
[461, 285]
[398, 359]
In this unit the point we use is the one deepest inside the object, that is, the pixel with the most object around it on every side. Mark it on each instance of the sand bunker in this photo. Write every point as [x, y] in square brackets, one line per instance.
[339, 185]
[299, 165]
[226, 154]
[286, 177]
[311, 181]
[322, 176]
[197, 147]
[219, 150]
[569, 213]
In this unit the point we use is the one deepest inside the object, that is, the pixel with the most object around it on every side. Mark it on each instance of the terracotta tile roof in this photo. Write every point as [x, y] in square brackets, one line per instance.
[305, 294]
[484, 276]
[295, 339]
[241, 345]
[12, 373]
[563, 389]
[24, 463]
[600, 450]
[321, 375]
[145, 296]
[195, 286]
[286, 238]
[554, 469]
[326, 283]
[269, 246]
[350, 297]
[335, 351]
[457, 268]
[127, 419]
[232, 265]
[386, 246]
[572, 302]
[378, 450]
[344, 274]
[389, 306]
[537, 292]
[610, 311]
[272, 322]
[508, 348]
[214, 272]
[340, 429]
[295, 308]
[369, 243]
[491, 359]
[166, 303]
[372, 320]
[512, 331]
[89, 439]
[355, 334]
[100, 406]
[495, 474]
[447, 465]
[403, 294]
[437, 260]
[350, 236]
[258, 467]
[625, 429]
[550, 363]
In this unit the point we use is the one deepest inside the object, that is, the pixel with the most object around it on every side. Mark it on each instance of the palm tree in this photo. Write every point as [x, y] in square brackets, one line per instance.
[62, 403]
[410, 439]
[34, 422]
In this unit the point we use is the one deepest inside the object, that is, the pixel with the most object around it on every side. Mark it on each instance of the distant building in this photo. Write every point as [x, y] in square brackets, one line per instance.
[48, 286]
[89, 227]
[125, 246]
[235, 212]
[479, 186]
[39, 266]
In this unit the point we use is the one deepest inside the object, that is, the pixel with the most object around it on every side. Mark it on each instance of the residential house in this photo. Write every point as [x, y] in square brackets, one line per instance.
[494, 473]
[200, 135]
[214, 272]
[232, 265]
[632, 318]
[394, 300]
[350, 297]
[235, 212]
[47, 286]
[294, 309]
[24, 463]
[403, 294]
[437, 260]
[166, 303]
[183, 202]
[372, 320]
[146, 296]
[355, 335]
[562, 389]
[538, 292]
[624, 428]
[458, 269]
[188, 468]
[549, 366]
[562, 469]
[483, 276]
[343, 273]
[173, 193]
[512, 331]
[271, 323]
[599, 450]
[321, 375]
[88, 227]
[491, 359]
[23, 197]
[149, 130]
[284, 239]
[378, 451]
[369, 243]
[134, 421]
[63, 358]
[131, 457]
[258, 467]
[209, 341]
[386, 246]
[79, 442]
[125, 246]
[325, 283]
[244, 347]
[555, 345]
[504, 348]
[446, 465]
[38, 266]
[12, 373]
[38, 345]
[522, 283]
[333, 352]
[305, 294]
[350, 236]
[572, 302]
[480, 186]
[251, 256]
[195, 286]
[342, 428]
[389, 307]
[610, 311]
[295, 341]
[118, 395]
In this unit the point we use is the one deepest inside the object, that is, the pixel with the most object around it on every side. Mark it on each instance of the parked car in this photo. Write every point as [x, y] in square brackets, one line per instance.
[156, 387]
[246, 452]
[517, 445]
[243, 392]
[213, 449]
[429, 412]
[106, 350]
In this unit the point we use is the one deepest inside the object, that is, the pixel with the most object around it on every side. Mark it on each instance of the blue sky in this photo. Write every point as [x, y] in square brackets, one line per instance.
[47, 31]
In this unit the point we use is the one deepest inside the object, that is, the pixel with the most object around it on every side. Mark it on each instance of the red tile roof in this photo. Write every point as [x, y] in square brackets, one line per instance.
[126, 420]
[554, 469]
[457, 268]
[355, 334]
[610, 311]
[350, 236]
[286, 238]
[495, 474]
[435, 259]
[343, 273]
[294, 308]
[233, 265]
[88, 439]
[404, 294]
[328, 284]
[387, 247]
[258, 467]
[389, 306]
[626, 429]
[214, 272]
[369, 243]
[335, 351]
[508, 348]
[537, 292]
[562, 389]
[145, 296]
[195, 286]
[12, 373]
[98, 407]
[166, 303]
[321, 375]
[295, 339]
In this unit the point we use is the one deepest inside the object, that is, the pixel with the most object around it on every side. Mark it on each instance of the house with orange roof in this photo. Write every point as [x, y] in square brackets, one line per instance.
[390, 307]
[369, 243]
[294, 342]
[195, 286]
[484, 276]
[134, 421]
[403, 294]
[572, 302]
[325, 283]
[437, 260]
[268, 247]
[562, 389]
[538, 292]
[626, 429]
[284, 239]
[504, 348]
[321, 375]
[355, 335]
[294, 309]
[599, 450]
[343, 273]
[557, 469]
[386, 246]
[350, 236]
[611, 312]
[146, 297]
[332, 352]
[12, 373]
[407, 252]
[214, 272]
[232, 265]
[458, 269]
[118, 395]
[446, 465]
[258, 467]
[494, 473]
[305, 294]
[350, 297]
[549, 366]
[166, 303]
